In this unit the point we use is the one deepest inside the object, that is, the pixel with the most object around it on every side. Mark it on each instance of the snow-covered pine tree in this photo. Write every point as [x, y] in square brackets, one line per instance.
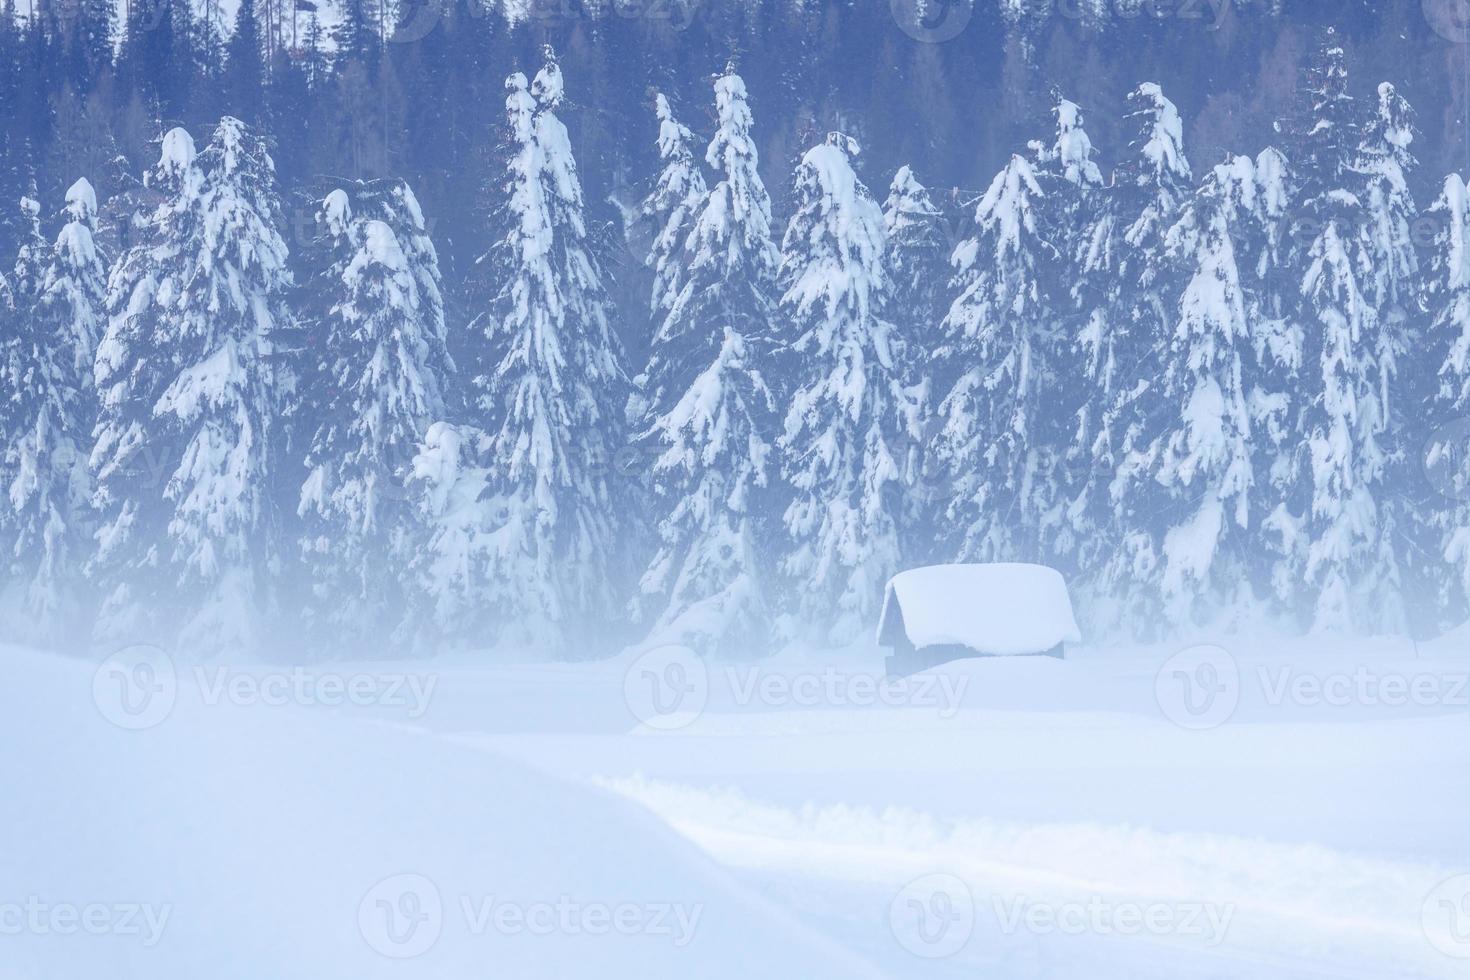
[1445, 449]
[1077, 216]
[710, 413]
[1273, 385]
[1000, 341]
[32, 253]
[182, 448]
[1192, 479]
[1394, 285]
[45, 421]
[669, 213]
[1385, 157]
[378, 388]
[671, 209]
[74, 289]
[848, 425]
[1337, 571]
[550, 387]
[728, 265]
[1127, 288]
[916, 261]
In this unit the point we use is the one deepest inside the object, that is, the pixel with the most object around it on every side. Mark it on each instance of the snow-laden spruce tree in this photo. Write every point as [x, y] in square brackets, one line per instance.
[710, 415]
[550, 390]
[671, 209]
[1274, 389]
[1191, 481]
[377, 387]
[182, 444]
[1075, 215]
[1386, 158]
[1337, 568]
[727, 269]
[32, 252]
[669, 213]
[1127, 288]
[45, 425]
[848, 427]
[1000, 435]
[1394, 285]
[916, 260]
[1445, 450]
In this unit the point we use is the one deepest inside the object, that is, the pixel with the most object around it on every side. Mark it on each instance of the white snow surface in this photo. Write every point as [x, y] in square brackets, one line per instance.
[801, 805]
[1005, 608]
[259, 842]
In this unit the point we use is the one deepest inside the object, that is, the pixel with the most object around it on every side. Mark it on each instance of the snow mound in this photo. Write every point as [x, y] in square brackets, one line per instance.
[1002, 608]
[246, 841]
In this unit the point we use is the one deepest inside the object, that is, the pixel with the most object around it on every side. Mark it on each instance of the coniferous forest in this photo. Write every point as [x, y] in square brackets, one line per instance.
[331, 330]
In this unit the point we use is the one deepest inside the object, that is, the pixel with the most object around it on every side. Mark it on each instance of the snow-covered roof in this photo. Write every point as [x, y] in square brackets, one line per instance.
[998, 608]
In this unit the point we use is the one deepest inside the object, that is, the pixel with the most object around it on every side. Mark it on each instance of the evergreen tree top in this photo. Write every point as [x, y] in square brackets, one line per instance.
[520, 108]
[908, 203]
[1389, 132]
[833, 246]
[548, 87]
[1006, 212]
[335, 213]
[735, 225]
[674, 138]
[81, 203]
[1327, 138]
[176, 163]
[1157, 147]
[1071, 154]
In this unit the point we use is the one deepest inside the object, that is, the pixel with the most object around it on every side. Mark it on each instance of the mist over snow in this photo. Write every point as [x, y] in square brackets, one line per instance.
[751, 488]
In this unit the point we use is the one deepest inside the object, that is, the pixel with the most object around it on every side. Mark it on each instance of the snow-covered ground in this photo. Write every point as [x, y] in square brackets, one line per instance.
[1250, 808]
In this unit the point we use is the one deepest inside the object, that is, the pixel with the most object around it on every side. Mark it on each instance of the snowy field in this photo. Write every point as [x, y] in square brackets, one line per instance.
[1247, 810]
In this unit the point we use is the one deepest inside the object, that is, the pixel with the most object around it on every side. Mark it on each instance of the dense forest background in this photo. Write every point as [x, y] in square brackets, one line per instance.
[487, 324]
[414, 90]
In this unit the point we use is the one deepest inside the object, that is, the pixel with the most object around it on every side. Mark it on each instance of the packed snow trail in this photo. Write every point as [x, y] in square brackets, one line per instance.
[1066, 895]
